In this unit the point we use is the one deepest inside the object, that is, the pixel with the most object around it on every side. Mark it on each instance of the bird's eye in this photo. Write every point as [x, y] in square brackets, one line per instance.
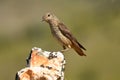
[48, 15]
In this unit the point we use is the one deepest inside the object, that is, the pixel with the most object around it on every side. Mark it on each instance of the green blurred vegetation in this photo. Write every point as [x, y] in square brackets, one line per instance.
[95, 23]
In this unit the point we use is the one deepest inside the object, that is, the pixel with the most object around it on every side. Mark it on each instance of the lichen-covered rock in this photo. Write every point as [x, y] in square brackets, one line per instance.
[43, 65]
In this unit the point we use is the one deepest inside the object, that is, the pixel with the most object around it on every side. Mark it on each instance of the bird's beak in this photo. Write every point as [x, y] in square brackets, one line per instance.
[42, 20]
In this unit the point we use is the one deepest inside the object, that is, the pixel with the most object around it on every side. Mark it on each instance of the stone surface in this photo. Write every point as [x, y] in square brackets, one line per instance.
[43, 65]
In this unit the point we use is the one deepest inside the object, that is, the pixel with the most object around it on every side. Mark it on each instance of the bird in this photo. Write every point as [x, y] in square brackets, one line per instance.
[64, 36]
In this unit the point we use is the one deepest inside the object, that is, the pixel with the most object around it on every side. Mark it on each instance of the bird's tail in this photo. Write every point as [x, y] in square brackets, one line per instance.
[78, 48]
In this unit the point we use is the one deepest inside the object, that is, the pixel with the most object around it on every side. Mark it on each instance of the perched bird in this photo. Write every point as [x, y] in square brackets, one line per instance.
[63, 34]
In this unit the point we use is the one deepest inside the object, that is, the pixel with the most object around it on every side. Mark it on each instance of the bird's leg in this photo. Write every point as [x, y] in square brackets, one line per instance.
[64, 49]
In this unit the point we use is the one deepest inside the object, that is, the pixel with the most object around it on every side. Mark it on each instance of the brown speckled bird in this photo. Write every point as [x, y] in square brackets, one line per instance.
[63, 34]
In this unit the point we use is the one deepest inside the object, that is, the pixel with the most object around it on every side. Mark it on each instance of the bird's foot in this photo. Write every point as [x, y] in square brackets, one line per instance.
[64, 50]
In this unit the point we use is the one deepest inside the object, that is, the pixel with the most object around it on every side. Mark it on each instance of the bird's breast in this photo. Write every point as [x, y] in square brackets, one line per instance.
[60, 37]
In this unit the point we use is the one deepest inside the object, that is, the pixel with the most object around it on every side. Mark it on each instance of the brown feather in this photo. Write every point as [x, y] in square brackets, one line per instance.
[75, 44]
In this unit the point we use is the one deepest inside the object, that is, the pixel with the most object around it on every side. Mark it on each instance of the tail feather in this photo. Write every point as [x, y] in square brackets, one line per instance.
[81, 46]
[78, 49]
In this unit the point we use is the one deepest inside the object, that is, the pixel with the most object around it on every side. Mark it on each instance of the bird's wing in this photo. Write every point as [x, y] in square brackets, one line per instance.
[66, 32]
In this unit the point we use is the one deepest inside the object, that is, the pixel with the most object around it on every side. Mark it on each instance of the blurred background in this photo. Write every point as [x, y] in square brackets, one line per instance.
[95, 23]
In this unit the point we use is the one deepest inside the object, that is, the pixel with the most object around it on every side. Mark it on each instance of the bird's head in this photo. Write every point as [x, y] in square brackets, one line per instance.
[48, 17]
